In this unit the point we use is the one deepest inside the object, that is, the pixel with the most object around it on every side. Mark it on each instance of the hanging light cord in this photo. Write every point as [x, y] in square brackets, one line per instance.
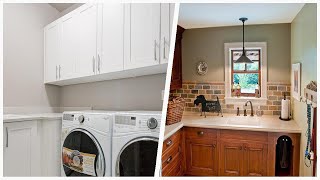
[243, 37]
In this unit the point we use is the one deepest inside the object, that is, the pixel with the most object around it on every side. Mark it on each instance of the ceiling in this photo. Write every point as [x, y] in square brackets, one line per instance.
[61, 6]
[202, 15]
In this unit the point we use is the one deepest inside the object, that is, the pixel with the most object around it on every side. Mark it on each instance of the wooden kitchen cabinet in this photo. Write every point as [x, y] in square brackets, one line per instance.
[176, 76]
[172, 155]
[255, 159]
[21, 150]
[221, 152]
[201, 152]
[231, 158]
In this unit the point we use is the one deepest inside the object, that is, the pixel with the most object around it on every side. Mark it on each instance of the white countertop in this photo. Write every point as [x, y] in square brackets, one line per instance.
[7, 118]
[264, 123]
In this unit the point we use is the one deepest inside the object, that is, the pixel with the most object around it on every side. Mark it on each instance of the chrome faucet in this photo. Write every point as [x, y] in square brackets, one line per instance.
[250, 107]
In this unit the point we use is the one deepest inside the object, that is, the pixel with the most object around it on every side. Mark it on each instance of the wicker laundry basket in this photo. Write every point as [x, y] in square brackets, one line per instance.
[175, 109]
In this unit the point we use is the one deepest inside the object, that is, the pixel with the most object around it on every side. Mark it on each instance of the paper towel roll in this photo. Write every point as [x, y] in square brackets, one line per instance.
[285, 108]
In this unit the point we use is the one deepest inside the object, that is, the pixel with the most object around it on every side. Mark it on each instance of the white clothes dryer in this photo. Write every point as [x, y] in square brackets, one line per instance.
[86, 143]
[135, 143]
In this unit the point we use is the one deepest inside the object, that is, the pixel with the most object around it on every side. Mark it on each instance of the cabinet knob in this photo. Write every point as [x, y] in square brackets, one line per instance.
[245, 148]
[214, 145]
[169, 142]
[200, 133]
[169, 160]
[240, 148]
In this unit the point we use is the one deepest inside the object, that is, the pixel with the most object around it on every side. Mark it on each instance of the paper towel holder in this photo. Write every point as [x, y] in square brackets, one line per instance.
[289, 118]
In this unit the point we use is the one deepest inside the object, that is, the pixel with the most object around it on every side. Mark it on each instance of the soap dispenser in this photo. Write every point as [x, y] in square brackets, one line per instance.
[259, 111]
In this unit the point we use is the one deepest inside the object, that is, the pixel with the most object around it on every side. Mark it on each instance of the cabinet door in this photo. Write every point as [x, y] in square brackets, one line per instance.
[142, 35]
[68, 47]
[52, 47]
[86, 40]
[231, 158]
[21, 149]
[201, 157]
[255, 159]
[110, 41]
[166, 16]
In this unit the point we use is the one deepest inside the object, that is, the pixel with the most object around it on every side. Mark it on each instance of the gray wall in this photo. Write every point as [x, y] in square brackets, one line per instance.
[209, 43]
[140, 93]
[304, 50]
[23, 56]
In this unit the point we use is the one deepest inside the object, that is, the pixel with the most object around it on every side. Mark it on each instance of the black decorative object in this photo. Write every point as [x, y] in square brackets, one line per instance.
[208, 106]
[243, 58]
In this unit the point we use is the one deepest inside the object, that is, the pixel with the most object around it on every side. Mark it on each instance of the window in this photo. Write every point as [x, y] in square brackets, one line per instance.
[247, 75]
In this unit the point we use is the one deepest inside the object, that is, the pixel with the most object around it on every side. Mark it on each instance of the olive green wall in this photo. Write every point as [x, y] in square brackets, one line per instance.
[209, 43]
[304, 50]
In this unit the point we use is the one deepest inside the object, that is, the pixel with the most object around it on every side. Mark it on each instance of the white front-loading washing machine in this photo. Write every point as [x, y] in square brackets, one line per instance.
[86, 143]
[135, 143]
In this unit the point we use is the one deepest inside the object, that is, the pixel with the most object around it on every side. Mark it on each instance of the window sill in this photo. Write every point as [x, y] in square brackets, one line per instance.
[241, 100]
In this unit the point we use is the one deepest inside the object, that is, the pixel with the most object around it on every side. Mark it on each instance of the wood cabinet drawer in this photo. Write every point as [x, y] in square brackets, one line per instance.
[171, 141]
[244, 135]
[172, 166]
[205, 133]
[168, 156]
[176, 170]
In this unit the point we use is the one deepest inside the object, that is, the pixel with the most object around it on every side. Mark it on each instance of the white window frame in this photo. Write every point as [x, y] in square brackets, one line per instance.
[228, 60]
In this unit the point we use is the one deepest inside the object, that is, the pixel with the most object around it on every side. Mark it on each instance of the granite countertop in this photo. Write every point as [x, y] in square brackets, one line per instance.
[7, 118]
[266, 123]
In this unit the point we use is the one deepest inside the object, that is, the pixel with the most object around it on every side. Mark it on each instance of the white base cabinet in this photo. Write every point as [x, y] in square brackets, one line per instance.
[21, 151]
[32, 148]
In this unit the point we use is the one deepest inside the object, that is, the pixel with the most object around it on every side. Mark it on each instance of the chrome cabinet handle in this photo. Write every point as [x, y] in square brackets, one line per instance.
[169, 143]
[99, 63]
[93, 64]
[155, 50]
[169, 160]
[59, 72]
[56, 72]
[7, 137]
[200, 133]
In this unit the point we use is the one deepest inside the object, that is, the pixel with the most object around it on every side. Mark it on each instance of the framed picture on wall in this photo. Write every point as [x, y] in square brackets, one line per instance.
[296, 80]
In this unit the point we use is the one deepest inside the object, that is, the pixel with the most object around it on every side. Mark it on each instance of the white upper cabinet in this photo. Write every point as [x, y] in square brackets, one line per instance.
[52, 51]
[142, 35]
[86, 40]
[110, 41]
[66, 68]
[98, 42]
[165, 33]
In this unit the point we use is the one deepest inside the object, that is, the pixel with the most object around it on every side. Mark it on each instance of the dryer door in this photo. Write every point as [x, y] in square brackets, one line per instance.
[138, 157]
[82, 155]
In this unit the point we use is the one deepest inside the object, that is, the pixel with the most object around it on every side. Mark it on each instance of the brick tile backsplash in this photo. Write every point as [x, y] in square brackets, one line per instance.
[213, 90]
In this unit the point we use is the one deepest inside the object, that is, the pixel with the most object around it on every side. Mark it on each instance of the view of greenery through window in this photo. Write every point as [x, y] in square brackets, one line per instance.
[247, 75]
[247, 82]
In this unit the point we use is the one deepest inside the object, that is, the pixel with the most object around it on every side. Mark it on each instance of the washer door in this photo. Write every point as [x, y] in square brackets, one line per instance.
[82, 155]
[138, 157]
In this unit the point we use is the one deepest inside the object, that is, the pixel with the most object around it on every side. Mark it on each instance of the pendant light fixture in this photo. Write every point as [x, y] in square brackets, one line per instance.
[243, 58]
